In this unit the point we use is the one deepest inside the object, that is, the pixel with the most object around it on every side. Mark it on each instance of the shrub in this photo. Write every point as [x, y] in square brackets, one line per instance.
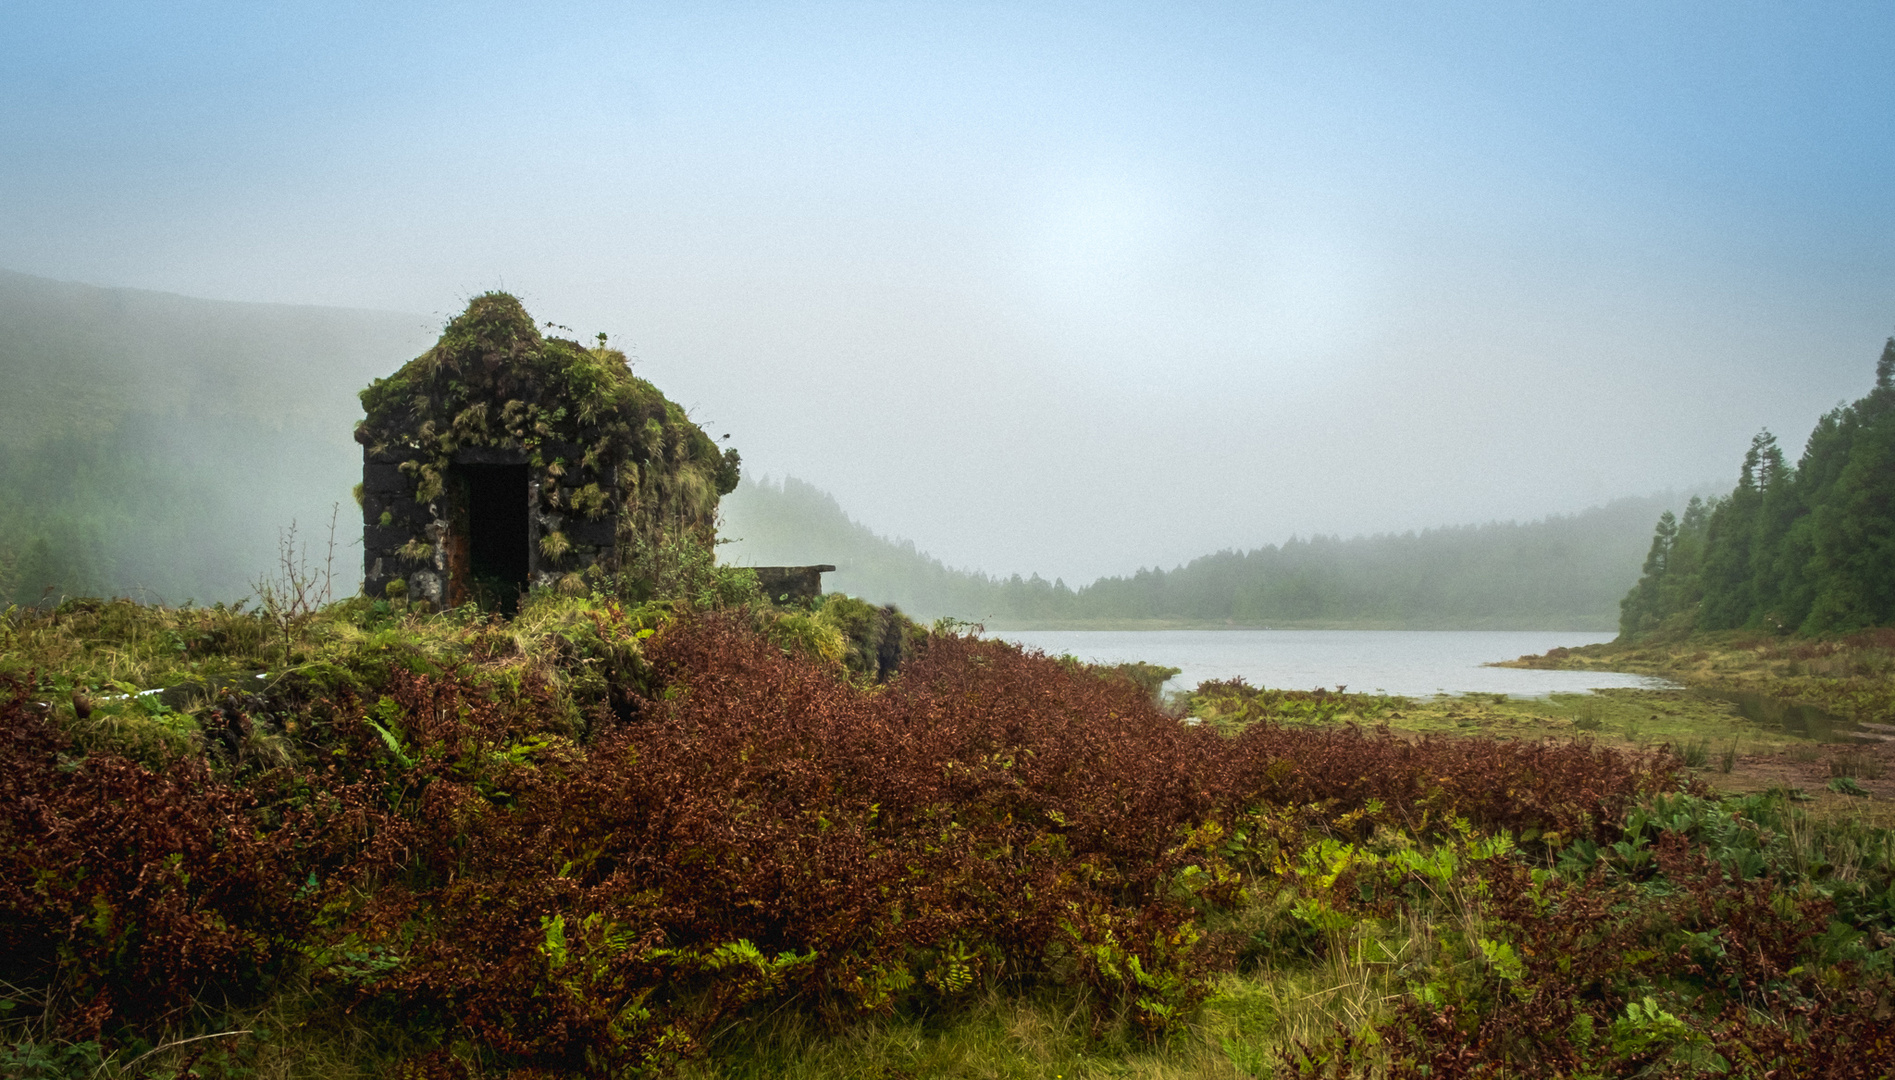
[581, 841]
[139, 888]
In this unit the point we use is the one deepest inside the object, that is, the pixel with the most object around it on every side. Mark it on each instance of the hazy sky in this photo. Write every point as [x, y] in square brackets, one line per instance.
[1059, 288]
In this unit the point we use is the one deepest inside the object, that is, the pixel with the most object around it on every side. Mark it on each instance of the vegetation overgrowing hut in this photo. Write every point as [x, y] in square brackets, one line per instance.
[502, 460]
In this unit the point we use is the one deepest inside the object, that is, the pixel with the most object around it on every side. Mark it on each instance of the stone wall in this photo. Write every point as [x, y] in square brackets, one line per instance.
[420, 545]
[391, 520]
[791, 583]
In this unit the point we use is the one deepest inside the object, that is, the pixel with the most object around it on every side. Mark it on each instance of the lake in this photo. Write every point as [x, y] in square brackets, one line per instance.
[1412, 663]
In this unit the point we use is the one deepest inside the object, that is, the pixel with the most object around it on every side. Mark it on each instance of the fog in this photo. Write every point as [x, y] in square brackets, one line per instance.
[162, 447]
[1070, 289]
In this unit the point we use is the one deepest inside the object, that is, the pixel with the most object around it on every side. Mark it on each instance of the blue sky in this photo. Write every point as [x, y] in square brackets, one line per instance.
[1060, 288]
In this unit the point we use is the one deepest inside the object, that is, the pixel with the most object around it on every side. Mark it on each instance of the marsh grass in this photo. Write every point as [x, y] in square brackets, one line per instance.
[1633, 717]
[1852, 676]
[1857, 765]
[1589, 714]
[1847, 848]
[1696, 753]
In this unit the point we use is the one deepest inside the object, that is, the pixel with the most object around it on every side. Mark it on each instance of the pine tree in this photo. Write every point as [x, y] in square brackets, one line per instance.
[1683, 587]
[1729, 587]
[1642, 609]
[54, 565]
[1852, 528]
[1776, 567]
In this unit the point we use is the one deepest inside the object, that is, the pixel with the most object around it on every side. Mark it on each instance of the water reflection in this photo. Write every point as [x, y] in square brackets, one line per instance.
[1792, 717]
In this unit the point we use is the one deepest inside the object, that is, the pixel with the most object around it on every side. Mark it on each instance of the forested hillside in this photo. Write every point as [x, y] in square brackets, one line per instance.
[1808, 548]
[154, 444]
[1559, 573]
[790, 522]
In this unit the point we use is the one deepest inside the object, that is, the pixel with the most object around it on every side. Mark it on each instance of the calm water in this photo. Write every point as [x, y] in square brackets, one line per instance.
[1793, 717]
[1413, 663]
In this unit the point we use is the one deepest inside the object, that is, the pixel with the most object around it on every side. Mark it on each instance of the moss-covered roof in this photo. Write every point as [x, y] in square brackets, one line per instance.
[493, 380]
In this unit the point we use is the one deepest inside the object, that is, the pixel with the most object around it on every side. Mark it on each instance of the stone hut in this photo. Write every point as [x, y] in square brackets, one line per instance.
[791, 584]
[500, 460]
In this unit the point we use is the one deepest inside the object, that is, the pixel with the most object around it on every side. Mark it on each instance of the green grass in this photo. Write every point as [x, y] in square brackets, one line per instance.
[1623, 716]
[1249, 1026]
[1851, 676]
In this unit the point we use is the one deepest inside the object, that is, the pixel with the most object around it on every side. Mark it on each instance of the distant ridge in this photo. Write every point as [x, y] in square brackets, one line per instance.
[74, 355]
[1565, 572]
[153, 444]
[791, 522]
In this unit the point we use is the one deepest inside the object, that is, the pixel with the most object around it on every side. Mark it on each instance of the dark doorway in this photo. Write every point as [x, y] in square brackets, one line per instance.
[498, 544]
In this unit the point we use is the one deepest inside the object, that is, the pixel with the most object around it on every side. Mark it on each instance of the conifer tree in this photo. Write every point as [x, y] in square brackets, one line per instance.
[1642, 608]
[1852, 529]
[1776, 570]
[1684, 586]
[1729, 588]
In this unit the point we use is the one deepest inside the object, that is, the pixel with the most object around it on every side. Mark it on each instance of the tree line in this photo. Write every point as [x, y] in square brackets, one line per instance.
[1562, 572]
[1806, 548]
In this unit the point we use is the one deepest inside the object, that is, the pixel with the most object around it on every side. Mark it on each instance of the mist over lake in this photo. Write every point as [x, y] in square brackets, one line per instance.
[1410, 663]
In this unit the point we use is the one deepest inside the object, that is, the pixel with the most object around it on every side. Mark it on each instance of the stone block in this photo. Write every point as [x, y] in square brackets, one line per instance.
[384, 478]
[401, 510]
[404, 509]
[791, 583]
[425, 585]
[386, 537]
[601, 532]
[490, 455]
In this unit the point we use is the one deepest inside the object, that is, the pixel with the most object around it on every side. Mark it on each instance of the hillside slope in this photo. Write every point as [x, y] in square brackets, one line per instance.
[154, 444]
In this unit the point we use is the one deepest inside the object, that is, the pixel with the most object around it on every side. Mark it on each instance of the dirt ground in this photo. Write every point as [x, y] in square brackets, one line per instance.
[1810, 768]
